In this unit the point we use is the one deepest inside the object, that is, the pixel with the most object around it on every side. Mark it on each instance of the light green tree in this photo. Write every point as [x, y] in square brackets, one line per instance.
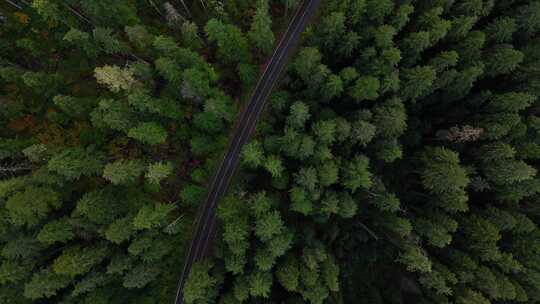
[123, 171]
[149, 133]
[156, 172]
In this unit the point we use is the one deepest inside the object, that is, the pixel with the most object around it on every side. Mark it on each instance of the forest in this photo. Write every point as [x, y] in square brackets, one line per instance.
[396, 161]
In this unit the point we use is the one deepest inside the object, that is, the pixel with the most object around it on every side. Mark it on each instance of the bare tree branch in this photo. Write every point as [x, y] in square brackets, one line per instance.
[14, 4]
[174, 18]
[186, 8]
[156, 8]
[369, 231]
[10, 170]
[78, 14]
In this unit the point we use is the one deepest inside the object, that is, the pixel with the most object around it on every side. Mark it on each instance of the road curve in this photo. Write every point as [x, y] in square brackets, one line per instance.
[206, 217]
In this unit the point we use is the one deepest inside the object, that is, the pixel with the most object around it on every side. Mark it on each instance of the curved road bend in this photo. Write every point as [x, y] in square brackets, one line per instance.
[246, 123]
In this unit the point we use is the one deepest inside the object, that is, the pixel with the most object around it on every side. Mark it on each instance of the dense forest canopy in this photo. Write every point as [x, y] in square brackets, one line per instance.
[112, 116]
[396, 162]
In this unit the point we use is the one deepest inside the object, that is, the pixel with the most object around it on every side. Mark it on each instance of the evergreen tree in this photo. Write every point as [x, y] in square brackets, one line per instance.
[45, 284]
[123, 171]
[115, 78]
[261, 34]
[76, 162]
[200, 286]
[149, 133]
[356, 173]
[231, 43]
[156, 172]
[57, 231]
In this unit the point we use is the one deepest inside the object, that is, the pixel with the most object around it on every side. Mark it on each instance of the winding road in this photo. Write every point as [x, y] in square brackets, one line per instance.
[204, 227]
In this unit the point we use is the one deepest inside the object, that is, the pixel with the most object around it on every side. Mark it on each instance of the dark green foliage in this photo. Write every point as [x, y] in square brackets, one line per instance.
[140, 276]
[150, 217]
[30, 206]
[356, 174]
[365, 88]
[442, 172]
[502, 29]
[417, 81]
[120, 230]
[406, 146]
[45, 284]
[231, 44]
[112, 114]
[58, 231]
[148, 133]
[261, 34]
[77, 260]
[106, 108]
[396, 164]
[200, 286]
[76, 162]
[502, 59]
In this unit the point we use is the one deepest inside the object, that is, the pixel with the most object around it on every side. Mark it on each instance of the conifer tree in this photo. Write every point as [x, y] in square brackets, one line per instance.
[261, 34]
[123, 171]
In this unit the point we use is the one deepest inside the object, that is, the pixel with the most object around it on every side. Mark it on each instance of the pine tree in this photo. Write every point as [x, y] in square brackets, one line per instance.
[200, 286]
[261, 34]
[333, 87]
[260, 284]
[45, 284]
[76, 162]
[231, 43]
[99, 206]
[154, 216]
[108, 42]
[123, 171]
[356, 173]
[390, 118]
[77, 260]
[442, 175]
[268, 226]
[308, 66]
[253, 154]
[82, 40]
[156, 172]
[300, 202]
[139, 36]
[328, 173]
[120, 230]
[299, 114]
[140, 276]
[307, 178]
[114, 115]
[32, 205]
[417, 81]
[528, 18]
[509, 171]
[365, 88]
[76, 107]
[274, 165]
[57, 231]
[190, 35]
[115, 78]
[501, 30]
[149, 133]
[502, 59]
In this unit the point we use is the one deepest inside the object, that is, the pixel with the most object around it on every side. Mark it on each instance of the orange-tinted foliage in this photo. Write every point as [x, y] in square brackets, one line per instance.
[22, 124]
[49, 133]
[22, 17]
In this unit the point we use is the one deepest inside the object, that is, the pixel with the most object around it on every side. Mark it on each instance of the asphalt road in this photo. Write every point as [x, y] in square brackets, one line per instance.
[204, 228]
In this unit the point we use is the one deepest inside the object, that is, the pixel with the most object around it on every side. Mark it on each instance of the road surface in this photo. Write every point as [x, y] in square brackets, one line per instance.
[206, 218]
